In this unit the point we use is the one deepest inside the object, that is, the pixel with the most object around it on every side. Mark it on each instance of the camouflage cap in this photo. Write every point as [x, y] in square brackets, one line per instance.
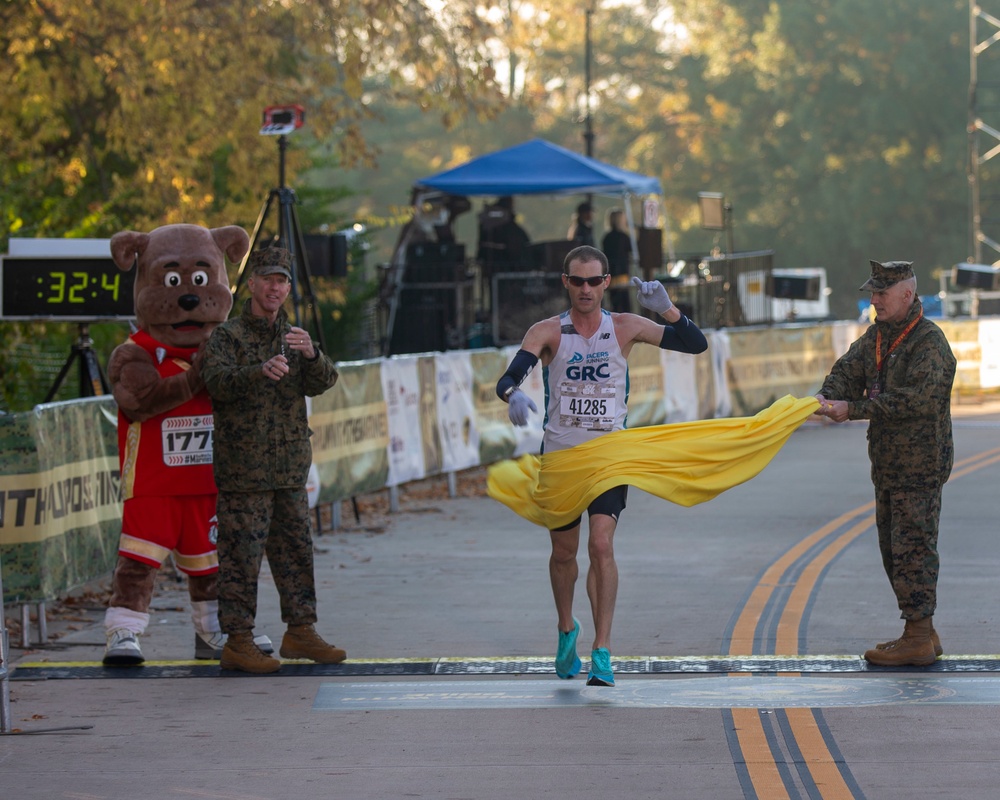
[271, 260]
[886, 274]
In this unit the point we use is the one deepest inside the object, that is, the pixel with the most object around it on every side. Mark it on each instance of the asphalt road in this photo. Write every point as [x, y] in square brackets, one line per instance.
[737, 638]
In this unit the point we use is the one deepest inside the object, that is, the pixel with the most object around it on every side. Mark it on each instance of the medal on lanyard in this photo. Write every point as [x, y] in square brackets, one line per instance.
[875, 389]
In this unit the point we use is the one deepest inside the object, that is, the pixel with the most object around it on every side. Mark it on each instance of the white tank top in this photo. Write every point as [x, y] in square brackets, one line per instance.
[586, 386]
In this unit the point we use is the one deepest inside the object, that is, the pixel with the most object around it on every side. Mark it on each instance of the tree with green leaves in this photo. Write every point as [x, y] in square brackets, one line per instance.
[835, 128]
[122, 115]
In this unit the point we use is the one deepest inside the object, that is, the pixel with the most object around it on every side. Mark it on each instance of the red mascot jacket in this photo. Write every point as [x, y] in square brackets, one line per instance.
[171, 453]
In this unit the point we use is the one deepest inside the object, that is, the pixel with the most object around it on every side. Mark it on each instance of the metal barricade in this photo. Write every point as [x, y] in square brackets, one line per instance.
[6, 726]
[520, 299]
[726, 291]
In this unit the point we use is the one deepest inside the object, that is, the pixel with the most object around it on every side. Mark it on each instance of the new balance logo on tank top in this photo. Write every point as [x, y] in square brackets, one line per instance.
[586, 386]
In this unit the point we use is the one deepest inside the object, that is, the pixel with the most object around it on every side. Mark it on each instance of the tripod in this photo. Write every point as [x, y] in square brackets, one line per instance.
[92, 380]
[289, 237]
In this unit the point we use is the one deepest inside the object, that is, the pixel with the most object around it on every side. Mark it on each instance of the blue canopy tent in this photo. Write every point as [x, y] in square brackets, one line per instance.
[535, 167]
[541, 167]
[538, 167]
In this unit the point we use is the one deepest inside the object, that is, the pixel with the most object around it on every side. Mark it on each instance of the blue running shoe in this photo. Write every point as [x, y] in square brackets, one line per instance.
[567, 661]
[600, 668]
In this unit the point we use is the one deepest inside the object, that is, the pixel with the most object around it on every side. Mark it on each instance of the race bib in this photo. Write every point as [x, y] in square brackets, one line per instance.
[587, 405]
[187, 441]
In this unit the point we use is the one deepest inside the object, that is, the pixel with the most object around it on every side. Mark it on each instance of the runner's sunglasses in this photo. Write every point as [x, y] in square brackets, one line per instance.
[576, 280]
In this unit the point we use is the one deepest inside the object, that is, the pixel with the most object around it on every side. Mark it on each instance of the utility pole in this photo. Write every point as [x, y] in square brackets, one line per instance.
[511, 54]
[588, 124]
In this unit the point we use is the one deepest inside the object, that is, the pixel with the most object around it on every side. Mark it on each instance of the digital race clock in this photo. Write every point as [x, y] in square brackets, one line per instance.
[66, 288]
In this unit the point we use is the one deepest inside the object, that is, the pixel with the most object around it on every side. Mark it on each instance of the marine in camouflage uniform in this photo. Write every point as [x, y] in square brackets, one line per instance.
[259, 369]
[899, 376]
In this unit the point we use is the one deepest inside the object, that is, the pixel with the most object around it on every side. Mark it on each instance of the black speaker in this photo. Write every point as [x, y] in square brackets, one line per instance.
[423, 319]
[976, 276]
[434, 262]
[521, 300]
[426, 253]
[793, 287]
[650, 252]
[547, 256]
[327, 254]
[988, 307]
[338, 255]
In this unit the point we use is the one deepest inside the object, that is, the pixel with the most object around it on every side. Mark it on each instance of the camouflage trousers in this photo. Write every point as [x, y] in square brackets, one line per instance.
[907, 524]
[254, 523]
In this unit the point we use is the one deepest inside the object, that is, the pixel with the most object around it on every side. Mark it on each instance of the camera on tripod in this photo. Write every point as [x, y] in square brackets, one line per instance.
[282, 120]
[279, 121]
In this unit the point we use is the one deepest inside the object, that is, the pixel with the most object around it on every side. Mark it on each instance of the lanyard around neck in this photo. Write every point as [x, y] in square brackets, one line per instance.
[895, 344]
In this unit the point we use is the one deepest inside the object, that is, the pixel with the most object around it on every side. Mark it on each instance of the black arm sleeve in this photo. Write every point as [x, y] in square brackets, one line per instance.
[519, 368]
[684, 337]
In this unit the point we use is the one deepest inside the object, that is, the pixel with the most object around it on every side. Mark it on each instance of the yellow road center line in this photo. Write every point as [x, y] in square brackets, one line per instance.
[757, 755]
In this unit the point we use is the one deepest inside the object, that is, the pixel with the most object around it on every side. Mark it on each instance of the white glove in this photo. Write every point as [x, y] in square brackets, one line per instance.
[518, 405]
[652, 295]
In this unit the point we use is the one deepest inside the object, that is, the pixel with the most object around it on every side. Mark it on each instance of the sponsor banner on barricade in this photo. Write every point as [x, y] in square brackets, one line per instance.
[717, 402]
[766, 364]
[60, 493]
[963, 336]
[405, 451]
[456, 416]
[496, 433]
[60, 497]
[529, 438]
[680, 386]
[989, 353]
[707, 389]
[645, 382]
[350, 433]
[430, 436]
[842, 336]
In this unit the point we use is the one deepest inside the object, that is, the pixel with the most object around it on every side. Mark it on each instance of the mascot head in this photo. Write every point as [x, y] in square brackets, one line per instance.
[181, 287]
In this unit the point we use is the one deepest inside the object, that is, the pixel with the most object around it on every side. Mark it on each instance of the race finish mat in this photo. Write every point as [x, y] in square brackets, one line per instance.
[511, 665]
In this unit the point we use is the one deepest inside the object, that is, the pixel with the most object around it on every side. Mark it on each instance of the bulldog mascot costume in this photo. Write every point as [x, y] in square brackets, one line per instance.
[165, 428]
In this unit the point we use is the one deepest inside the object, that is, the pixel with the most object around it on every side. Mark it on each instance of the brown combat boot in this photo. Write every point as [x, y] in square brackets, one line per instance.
[913, 648]
[302, 641]
[935, 640]
[240, 652]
